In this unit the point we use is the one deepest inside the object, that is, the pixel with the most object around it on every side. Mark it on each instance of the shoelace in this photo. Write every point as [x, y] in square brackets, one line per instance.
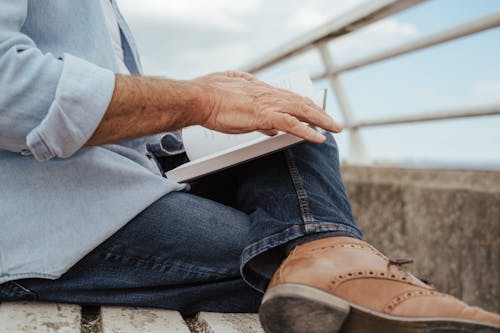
[401, 262]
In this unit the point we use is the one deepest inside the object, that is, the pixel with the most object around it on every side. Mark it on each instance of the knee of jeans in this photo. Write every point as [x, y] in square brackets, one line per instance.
[330, 140]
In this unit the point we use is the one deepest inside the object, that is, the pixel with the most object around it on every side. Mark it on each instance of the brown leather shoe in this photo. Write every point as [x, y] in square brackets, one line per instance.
[342, 284]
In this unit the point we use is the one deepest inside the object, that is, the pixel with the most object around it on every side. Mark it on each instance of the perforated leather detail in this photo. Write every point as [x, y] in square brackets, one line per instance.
[400, 276]
[410, 294]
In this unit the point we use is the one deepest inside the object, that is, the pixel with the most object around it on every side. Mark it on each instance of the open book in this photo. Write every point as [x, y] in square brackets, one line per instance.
[211, 151]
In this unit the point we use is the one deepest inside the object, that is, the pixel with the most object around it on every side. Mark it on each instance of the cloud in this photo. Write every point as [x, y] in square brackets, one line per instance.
[310, 14]
[220, 13]
[383, 34]
[307, 18]
[187, 38]
[488, 87]
[486, 92]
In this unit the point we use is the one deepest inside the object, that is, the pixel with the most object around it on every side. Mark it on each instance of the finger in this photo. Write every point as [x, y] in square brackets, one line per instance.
[322, 119]
[287, 123]
[270, 132]
[310, 102]
[312, 116]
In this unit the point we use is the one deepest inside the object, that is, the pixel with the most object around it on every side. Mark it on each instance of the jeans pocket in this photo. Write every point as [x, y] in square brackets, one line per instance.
[14, 291]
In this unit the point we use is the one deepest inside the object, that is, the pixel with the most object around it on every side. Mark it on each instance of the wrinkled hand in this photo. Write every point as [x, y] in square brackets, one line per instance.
[236, 102]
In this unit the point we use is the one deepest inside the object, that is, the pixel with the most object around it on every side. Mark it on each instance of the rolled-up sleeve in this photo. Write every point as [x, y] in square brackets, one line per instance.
[49, 105]
[80, 101]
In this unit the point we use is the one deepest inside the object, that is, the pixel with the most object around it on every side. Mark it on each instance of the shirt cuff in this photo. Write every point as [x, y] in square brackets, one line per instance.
[82, 97]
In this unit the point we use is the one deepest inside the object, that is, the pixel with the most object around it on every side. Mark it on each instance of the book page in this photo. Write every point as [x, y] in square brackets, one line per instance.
[297, 82]
[200, 142]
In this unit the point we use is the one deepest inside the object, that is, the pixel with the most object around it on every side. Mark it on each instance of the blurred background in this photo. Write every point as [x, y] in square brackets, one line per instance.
[189, 38]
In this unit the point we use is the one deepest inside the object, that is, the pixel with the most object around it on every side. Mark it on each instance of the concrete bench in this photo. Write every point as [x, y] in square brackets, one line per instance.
[66, 318]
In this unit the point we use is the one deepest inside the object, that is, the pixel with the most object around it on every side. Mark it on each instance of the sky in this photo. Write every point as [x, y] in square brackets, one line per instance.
[183, 39]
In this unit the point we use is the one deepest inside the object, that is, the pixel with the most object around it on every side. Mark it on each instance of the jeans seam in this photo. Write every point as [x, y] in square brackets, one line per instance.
[163, 266]
[13, 288]
[23, 288]
[271, 241]
[302, 196]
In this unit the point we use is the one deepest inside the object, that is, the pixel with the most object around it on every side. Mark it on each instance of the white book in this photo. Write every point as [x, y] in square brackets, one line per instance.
[210, 151]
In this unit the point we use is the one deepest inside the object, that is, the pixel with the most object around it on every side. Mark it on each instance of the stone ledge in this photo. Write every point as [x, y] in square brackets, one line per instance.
[447, 220]
[63, 318]
[474, 180]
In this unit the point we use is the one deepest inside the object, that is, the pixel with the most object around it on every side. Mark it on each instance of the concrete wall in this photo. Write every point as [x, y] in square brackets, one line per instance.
[448, 221]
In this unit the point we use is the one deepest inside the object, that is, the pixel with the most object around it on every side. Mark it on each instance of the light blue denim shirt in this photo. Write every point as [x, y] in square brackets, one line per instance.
[58, 201]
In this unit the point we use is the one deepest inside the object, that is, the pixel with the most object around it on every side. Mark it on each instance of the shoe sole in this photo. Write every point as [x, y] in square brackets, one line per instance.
[294, 308]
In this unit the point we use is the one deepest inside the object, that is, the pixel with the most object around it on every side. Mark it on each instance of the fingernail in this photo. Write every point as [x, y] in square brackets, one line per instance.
[333, 126]
[336, 127]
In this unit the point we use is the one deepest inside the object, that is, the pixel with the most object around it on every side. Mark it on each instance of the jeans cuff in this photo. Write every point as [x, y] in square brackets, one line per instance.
[309, 238]
[260, 260]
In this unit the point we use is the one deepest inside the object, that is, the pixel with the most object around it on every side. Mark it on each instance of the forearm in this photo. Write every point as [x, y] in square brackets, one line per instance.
[144, 106]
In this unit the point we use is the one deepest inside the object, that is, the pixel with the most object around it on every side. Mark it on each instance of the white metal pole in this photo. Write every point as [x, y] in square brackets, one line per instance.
[484, 23]
[357, 151]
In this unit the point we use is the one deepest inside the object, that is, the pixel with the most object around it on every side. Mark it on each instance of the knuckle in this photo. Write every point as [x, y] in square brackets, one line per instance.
[301, 105]
[247, 76]
[239, 74]
[290, 121]
[309, 101]
[304, 110]
[267, 121]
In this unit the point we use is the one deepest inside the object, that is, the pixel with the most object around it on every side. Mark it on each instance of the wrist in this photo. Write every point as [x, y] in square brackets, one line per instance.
[195, 101]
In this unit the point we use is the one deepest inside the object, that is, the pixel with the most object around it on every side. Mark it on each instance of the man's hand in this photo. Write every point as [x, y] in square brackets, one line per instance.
[237, 102]
[230, 102]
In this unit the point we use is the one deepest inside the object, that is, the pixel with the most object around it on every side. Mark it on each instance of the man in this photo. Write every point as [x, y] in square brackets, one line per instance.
[87, 218]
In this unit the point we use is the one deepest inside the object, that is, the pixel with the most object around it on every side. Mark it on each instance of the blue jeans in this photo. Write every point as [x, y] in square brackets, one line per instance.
[215, 247]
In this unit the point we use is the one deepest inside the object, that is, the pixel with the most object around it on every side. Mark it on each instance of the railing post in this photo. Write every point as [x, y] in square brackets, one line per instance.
[357, 151]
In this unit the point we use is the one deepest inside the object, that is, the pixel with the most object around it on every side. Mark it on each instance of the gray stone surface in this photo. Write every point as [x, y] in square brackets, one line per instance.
[58, 318]
[140, 320]
[39, 318]
[447, 220]
[229, 322]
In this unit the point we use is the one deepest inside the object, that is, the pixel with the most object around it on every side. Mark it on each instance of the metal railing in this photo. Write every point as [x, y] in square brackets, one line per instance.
[363, 15]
